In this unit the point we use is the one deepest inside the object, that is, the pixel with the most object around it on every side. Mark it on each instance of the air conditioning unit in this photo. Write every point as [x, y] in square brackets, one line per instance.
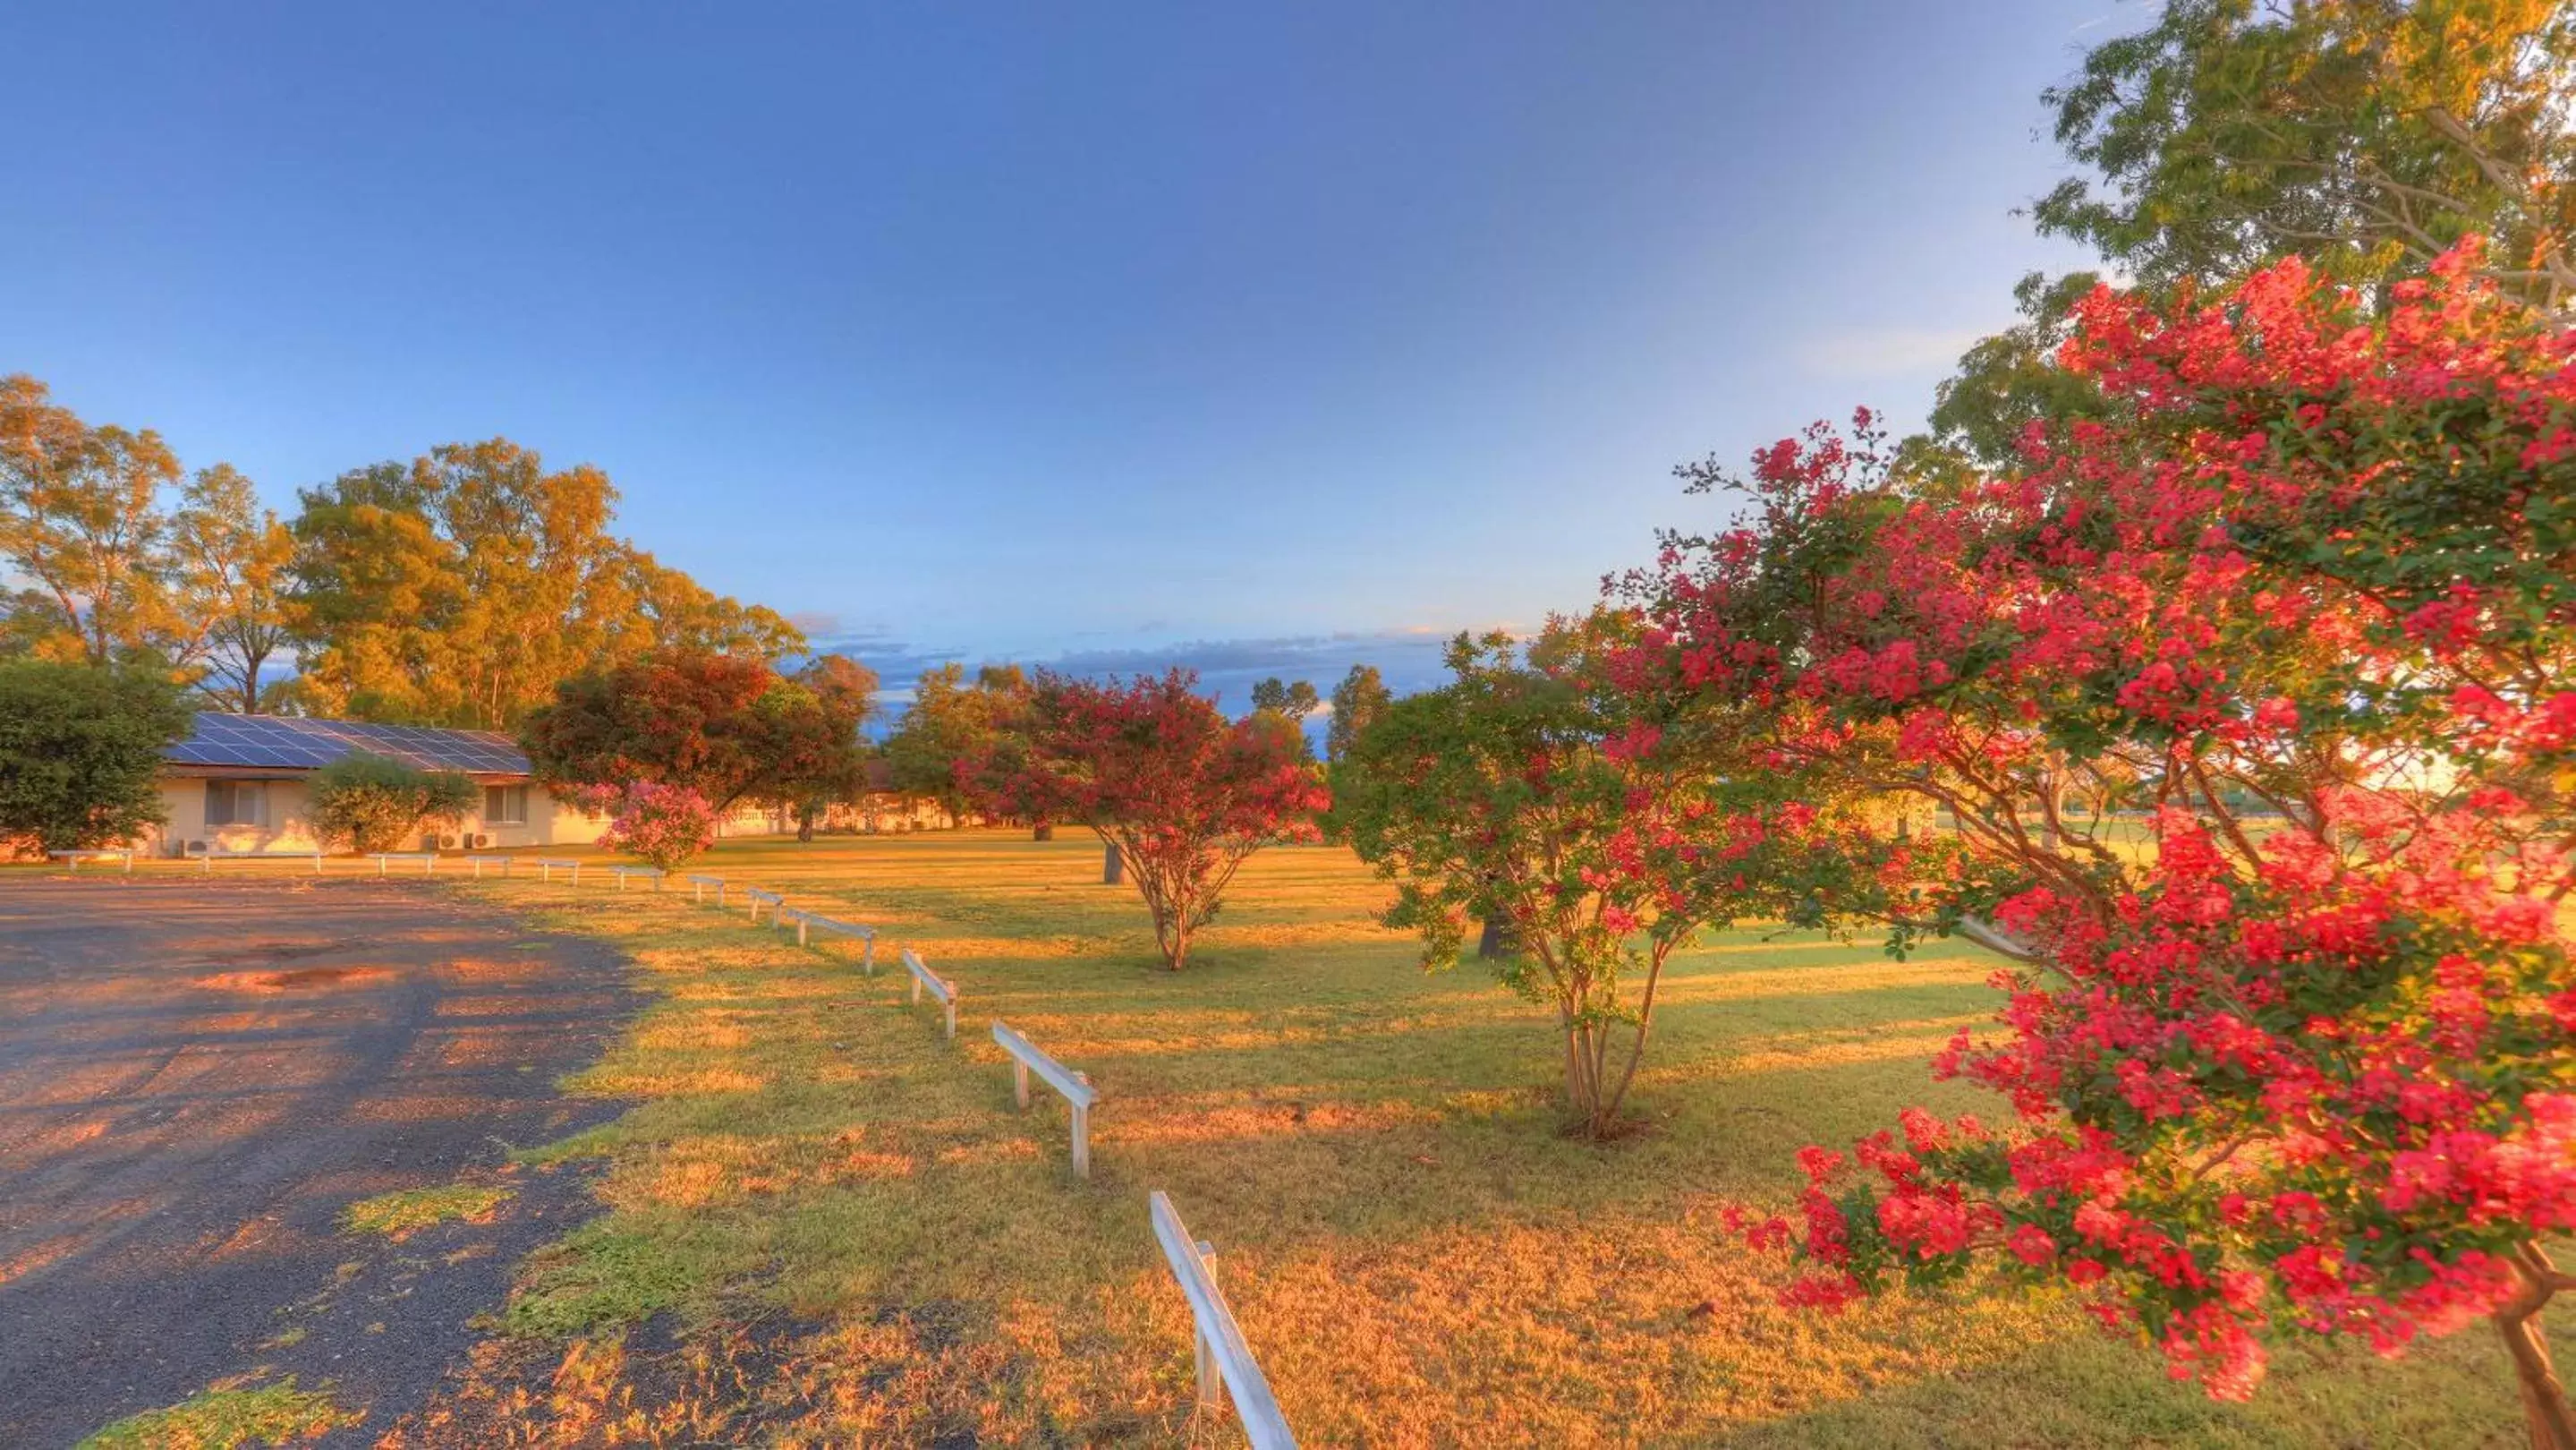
[192, 848]
[476, 841]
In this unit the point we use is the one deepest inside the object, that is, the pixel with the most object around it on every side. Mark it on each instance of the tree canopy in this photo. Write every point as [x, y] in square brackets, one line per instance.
[1358, 700]
[2365, 136]
[2299, 598]
[457, 590]
[81, 522]
[80, 751]
[1534, 792]
[1157, 771]
[950, 720]
[460, 589]
[727, 726]
[231, 560]
[2368, 136]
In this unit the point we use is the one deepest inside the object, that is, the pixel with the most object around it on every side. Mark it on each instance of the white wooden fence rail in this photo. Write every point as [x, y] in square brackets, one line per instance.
[1077, 1089]
[547, 866]
[1224, 1359]
[384, 859]
[758, 898]
[699, 884]
[924, 980]
[806, 921]
[650, 873]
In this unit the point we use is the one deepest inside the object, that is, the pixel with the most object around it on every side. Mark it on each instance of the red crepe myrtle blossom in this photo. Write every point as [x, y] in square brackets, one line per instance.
[1154, 770]
[2306, 599]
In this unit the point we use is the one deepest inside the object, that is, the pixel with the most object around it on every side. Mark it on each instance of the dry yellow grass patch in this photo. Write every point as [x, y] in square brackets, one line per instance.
[1418, 1257]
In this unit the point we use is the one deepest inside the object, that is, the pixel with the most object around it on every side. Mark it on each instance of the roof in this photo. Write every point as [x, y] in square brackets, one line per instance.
[291, 743]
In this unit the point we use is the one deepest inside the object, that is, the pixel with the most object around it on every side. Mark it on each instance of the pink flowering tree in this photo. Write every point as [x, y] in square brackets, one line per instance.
[1534, 791]
[2302, 611]
[661, 825]
[1157, 772]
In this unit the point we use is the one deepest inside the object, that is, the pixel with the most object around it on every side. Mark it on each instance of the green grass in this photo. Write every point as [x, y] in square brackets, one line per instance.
[1415, 1253]
[404, 1211]
[222, 1419]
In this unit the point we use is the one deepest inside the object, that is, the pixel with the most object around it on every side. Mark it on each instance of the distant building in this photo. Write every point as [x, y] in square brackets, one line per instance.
[881, 809]
[238, 783]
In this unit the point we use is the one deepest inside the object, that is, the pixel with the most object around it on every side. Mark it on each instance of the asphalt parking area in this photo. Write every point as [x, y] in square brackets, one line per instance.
[196, 1079]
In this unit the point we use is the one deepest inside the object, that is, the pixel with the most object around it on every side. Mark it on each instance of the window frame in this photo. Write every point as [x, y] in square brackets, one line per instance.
[514, 805]
[230, 791]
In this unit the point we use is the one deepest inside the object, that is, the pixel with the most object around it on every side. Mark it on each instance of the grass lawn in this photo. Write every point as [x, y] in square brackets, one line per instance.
[1414, 1253]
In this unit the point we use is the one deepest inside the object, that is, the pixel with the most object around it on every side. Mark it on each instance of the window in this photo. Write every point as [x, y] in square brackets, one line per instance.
[505, 805]
[236, 803]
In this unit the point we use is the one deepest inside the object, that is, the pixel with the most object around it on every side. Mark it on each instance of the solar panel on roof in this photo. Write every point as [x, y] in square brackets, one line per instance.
[284, 742]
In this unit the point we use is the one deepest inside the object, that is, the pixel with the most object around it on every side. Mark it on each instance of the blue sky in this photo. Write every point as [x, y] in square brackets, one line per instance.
[1257, 337]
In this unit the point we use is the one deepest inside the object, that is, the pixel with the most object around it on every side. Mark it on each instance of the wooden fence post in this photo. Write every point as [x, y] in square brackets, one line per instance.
[1082, 1132]
[1227, 1371]
[1211, 1379]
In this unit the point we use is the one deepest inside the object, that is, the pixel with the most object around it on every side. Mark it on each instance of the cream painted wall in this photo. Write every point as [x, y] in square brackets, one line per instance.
[183, 799]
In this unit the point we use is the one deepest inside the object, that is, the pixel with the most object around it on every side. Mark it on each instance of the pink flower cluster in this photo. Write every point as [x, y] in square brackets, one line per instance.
[2305, 1060]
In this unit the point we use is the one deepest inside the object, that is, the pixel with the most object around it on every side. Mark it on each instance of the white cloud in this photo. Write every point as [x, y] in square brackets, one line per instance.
[1874, 352]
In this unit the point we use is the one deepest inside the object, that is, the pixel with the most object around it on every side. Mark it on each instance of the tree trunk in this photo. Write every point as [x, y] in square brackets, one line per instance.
[1583, 1079]
[1042, 832]
[2545, 1414]
[805, 822]
[2052, 810]
[1112, 866]
[1496, 942]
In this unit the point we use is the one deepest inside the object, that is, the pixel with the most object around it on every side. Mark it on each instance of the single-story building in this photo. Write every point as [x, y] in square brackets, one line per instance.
[882, 809]
[237, 783]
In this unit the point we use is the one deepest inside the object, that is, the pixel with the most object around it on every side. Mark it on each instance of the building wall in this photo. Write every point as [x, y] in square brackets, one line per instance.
[753, 820]
[183, 803]
[884, 812]
[183, 799]
[550, 823]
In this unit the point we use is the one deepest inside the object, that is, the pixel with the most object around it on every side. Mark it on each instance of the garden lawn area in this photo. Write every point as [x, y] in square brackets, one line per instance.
[1413, 1251]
